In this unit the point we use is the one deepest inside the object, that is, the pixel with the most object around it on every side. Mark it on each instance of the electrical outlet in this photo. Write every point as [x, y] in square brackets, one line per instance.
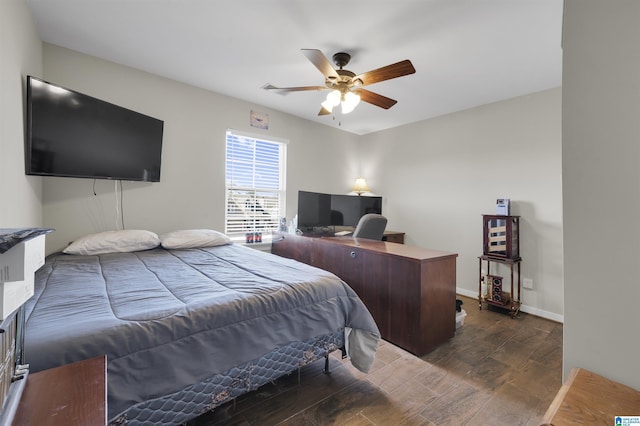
[527, 283]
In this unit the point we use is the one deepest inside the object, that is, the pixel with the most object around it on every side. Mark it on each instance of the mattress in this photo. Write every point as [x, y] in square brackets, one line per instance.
[171, 319]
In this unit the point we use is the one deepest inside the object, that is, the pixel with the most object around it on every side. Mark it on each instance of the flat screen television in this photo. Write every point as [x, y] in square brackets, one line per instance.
[70, 134]
[319, 210]
[314, 209]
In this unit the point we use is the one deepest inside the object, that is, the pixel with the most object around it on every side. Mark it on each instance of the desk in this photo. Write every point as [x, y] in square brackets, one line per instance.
[589, 399]
[72, 394]
[410, 291]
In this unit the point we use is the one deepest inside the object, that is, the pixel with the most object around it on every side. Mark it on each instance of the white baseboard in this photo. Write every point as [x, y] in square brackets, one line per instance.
[524, 308]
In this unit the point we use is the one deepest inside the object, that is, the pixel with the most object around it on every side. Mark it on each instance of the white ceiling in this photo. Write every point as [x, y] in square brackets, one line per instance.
[466, 52]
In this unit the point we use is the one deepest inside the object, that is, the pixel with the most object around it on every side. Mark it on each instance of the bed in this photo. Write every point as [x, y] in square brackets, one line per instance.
[187, 329]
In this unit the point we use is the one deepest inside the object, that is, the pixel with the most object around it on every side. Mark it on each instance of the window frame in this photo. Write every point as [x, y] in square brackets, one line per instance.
[235, 211]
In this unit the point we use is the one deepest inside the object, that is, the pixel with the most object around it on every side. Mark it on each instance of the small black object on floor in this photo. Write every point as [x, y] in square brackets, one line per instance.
[500, 310]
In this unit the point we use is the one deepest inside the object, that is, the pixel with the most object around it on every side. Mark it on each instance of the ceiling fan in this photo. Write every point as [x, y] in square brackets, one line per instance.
[347, 87]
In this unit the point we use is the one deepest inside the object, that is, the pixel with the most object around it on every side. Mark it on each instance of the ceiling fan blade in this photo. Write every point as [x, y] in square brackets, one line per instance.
[321, 62]
[285, 90]
[375, 99]
[398, 69]
[324, 111]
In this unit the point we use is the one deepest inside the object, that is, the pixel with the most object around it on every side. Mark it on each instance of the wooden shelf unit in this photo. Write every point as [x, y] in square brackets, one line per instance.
[500, 244]
[514, 303]
[501, 236]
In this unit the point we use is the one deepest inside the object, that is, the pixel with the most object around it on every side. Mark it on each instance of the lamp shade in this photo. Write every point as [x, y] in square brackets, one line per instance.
[351, 100]
[333, 99]
[360, 186]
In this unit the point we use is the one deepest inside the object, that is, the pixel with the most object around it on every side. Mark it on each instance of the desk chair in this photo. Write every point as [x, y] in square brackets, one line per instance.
[371, 226]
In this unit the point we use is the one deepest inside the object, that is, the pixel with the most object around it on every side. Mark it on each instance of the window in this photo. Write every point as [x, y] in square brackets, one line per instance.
[255, 183]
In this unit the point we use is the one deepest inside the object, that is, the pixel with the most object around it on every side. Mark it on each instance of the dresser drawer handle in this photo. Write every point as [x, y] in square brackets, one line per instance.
[353, 254]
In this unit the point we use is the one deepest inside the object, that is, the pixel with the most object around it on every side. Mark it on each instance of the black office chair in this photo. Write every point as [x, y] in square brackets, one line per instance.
[371, 226]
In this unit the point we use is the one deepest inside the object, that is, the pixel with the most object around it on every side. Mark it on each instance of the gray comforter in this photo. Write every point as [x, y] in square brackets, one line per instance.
[170, 318]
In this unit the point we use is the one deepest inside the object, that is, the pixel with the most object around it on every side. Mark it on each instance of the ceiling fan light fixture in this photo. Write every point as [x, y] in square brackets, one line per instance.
[327, 106]
[333, 98]
[341, 82]
[351, 100]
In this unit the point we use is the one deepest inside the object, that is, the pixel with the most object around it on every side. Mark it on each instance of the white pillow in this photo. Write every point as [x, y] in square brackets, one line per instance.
[193, 238]
[114, 242]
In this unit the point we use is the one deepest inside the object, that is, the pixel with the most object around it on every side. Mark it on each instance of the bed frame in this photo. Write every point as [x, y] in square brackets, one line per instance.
[205, 396]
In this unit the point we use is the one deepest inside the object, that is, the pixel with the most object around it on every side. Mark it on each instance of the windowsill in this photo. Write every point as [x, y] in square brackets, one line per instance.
[264, 245]
[241, 239]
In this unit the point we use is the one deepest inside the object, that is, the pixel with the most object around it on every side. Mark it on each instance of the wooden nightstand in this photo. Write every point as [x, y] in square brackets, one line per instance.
[72, 394]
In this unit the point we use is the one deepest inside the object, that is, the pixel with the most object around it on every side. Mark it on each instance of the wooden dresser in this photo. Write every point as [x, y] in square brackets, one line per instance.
[410, 291]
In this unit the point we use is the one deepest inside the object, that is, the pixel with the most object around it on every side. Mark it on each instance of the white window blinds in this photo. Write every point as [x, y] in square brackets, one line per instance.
[255, 183]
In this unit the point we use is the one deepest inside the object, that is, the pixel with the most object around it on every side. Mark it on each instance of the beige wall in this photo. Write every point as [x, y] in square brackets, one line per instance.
[432, 174]
[601, 187]
[21, 53]
[439, 176]
[191, 191]
[429, 173]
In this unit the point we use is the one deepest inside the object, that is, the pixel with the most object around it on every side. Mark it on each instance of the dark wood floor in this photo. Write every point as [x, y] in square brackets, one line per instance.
[495, 371]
